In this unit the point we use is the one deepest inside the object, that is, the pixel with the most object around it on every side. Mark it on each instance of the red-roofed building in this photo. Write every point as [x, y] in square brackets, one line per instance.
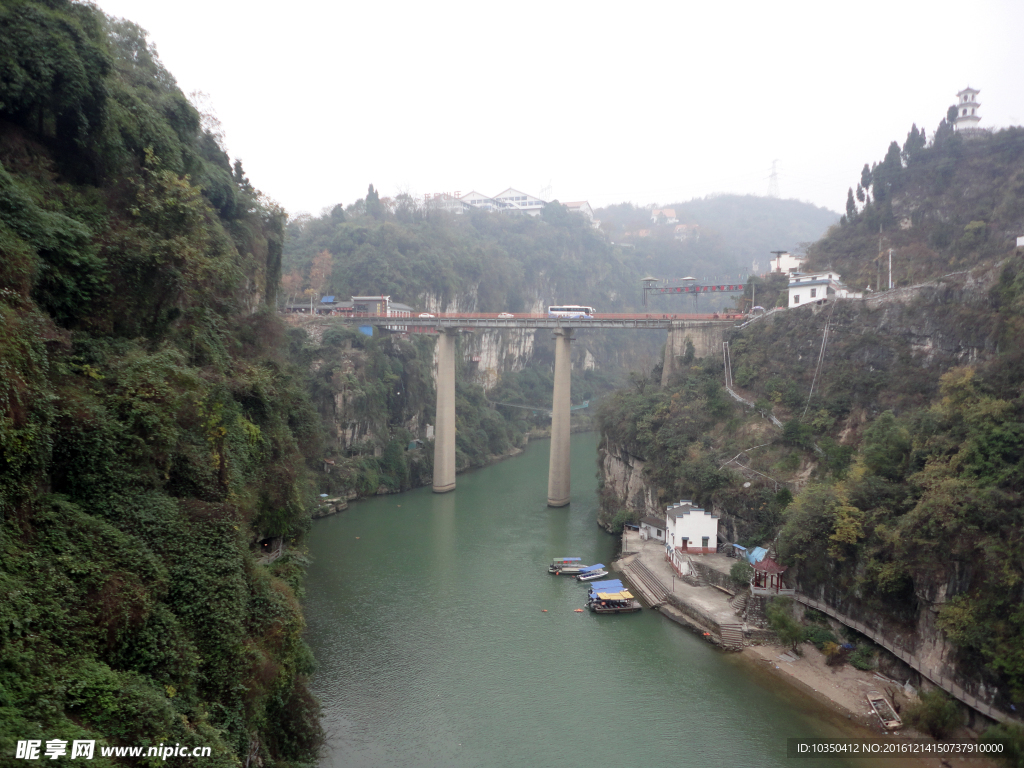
[768, 579]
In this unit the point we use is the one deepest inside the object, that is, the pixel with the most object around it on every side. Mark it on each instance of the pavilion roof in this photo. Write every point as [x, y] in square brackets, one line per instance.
[769, 566]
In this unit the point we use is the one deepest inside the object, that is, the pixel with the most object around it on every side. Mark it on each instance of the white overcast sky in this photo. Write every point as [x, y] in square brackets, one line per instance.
[608, 102]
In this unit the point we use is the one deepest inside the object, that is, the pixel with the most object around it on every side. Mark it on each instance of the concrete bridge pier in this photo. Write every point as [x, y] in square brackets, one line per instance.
[558, 466]
[444, 429]
[706, 336]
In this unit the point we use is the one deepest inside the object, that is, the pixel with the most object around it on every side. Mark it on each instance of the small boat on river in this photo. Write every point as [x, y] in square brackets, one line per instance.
[881, 707]
[591, 572]
[611, 597]
[566, 566]
[614, 602]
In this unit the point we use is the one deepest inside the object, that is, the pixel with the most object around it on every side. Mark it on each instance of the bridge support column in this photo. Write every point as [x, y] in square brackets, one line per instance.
[444, 429]
[668, 364]
[558, 467]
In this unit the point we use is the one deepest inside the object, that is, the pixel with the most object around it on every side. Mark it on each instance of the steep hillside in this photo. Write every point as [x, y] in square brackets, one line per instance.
[893, 489]
[152, 426]
[951, 205]
[724, 236]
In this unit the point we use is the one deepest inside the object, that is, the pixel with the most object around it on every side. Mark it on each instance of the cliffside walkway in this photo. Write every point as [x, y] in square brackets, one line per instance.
[933, 675]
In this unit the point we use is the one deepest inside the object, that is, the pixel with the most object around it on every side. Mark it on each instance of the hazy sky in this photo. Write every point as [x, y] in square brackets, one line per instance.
[607, 102]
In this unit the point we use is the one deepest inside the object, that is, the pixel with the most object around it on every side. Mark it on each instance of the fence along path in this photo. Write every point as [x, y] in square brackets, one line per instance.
[912, 661]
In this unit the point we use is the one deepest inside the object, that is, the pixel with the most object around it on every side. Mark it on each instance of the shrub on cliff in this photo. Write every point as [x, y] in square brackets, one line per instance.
[934, 713]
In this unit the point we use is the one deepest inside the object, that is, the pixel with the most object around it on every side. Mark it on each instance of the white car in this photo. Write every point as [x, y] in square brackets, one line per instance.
[505, 316]
[425, 314]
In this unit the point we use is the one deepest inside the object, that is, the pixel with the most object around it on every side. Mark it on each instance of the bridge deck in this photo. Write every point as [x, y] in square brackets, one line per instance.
[532, 321]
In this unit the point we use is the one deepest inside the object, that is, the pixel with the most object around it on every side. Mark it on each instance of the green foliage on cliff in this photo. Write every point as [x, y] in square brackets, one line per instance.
[486, 262]
[909, 467]
[947, 206]
[152, 423]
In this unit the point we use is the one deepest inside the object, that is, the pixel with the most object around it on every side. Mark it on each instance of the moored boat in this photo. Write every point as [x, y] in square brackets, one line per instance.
[566, 566]
[591, 572]
[886, 714]
[614, 602]
[611, 597]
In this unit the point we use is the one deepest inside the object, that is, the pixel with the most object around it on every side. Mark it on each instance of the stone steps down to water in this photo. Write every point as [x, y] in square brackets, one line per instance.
[732, 635]
[654, 592]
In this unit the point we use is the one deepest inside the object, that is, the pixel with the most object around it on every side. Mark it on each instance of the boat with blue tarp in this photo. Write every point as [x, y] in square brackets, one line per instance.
[611, 596]
[568, 566]
[592, 572]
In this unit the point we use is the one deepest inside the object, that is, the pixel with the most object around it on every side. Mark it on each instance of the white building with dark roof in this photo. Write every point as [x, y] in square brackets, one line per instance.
[817, 287]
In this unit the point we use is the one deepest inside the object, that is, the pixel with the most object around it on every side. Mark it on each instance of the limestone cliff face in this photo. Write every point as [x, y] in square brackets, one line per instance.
[623, 485]
[915, 630]
[490, 354]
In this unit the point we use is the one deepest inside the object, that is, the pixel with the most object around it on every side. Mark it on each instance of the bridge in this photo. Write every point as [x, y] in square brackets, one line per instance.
[448, 327]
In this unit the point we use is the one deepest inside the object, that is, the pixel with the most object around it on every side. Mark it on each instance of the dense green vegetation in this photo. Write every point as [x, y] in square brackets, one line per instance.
[152, 424]
[479, 261]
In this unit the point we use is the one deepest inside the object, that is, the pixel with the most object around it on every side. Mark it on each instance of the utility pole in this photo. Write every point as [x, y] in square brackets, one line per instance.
[890, 269]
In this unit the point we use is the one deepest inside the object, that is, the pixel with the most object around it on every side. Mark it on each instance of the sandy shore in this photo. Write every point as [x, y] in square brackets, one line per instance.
[840, 694]
[842, 686]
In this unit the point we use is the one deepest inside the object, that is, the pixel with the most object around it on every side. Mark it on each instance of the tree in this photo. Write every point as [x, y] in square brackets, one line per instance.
[320, 272]
[914, 144]
[851, 206]
[374, 209]
[783, 624]
[860, 193]
[291, 284]
[865, 177]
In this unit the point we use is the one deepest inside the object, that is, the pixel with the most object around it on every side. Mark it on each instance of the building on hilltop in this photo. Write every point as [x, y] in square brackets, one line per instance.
[685, 232]
[967, 117]
[786, 263]
[669, 215]
[582, 207]
[510, 201]
[514, 200]
[817, 287]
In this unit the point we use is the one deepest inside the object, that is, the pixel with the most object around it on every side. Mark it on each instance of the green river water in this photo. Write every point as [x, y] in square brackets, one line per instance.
[425, 615]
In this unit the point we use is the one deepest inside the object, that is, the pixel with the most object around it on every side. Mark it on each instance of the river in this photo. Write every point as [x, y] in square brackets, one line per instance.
[427, 619]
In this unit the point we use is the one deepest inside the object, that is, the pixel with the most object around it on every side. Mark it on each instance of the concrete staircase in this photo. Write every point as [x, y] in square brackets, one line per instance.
[739, 605]
[732, 635]
[650, 585]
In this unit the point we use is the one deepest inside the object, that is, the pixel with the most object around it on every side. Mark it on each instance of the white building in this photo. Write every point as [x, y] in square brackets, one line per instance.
[514, 200]
[689, 530]
[652, 528]
[967, 117]
[817, 287]
[684, 232]
[582, 207]
[668, 213]
[786, 263]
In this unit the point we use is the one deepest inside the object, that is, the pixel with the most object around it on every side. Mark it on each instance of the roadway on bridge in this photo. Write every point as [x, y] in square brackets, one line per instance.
[485, 320]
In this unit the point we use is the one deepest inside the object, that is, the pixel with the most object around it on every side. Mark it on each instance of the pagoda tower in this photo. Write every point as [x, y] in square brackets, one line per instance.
[967, 117]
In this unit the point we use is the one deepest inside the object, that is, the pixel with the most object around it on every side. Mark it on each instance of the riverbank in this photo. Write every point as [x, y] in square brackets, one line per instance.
[838, 693]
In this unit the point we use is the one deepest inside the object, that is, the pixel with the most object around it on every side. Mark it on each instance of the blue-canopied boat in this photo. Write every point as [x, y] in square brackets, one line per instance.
[592, 572]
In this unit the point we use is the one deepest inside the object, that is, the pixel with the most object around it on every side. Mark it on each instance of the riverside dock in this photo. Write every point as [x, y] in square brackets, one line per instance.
[696, 603]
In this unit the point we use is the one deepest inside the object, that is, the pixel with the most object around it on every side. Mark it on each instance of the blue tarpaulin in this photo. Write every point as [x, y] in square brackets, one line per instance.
[757, 554]
[614, 585]
[567, 559]
[327, 299]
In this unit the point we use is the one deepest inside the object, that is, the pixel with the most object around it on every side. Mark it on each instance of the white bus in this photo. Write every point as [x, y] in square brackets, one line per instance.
[572, 311]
